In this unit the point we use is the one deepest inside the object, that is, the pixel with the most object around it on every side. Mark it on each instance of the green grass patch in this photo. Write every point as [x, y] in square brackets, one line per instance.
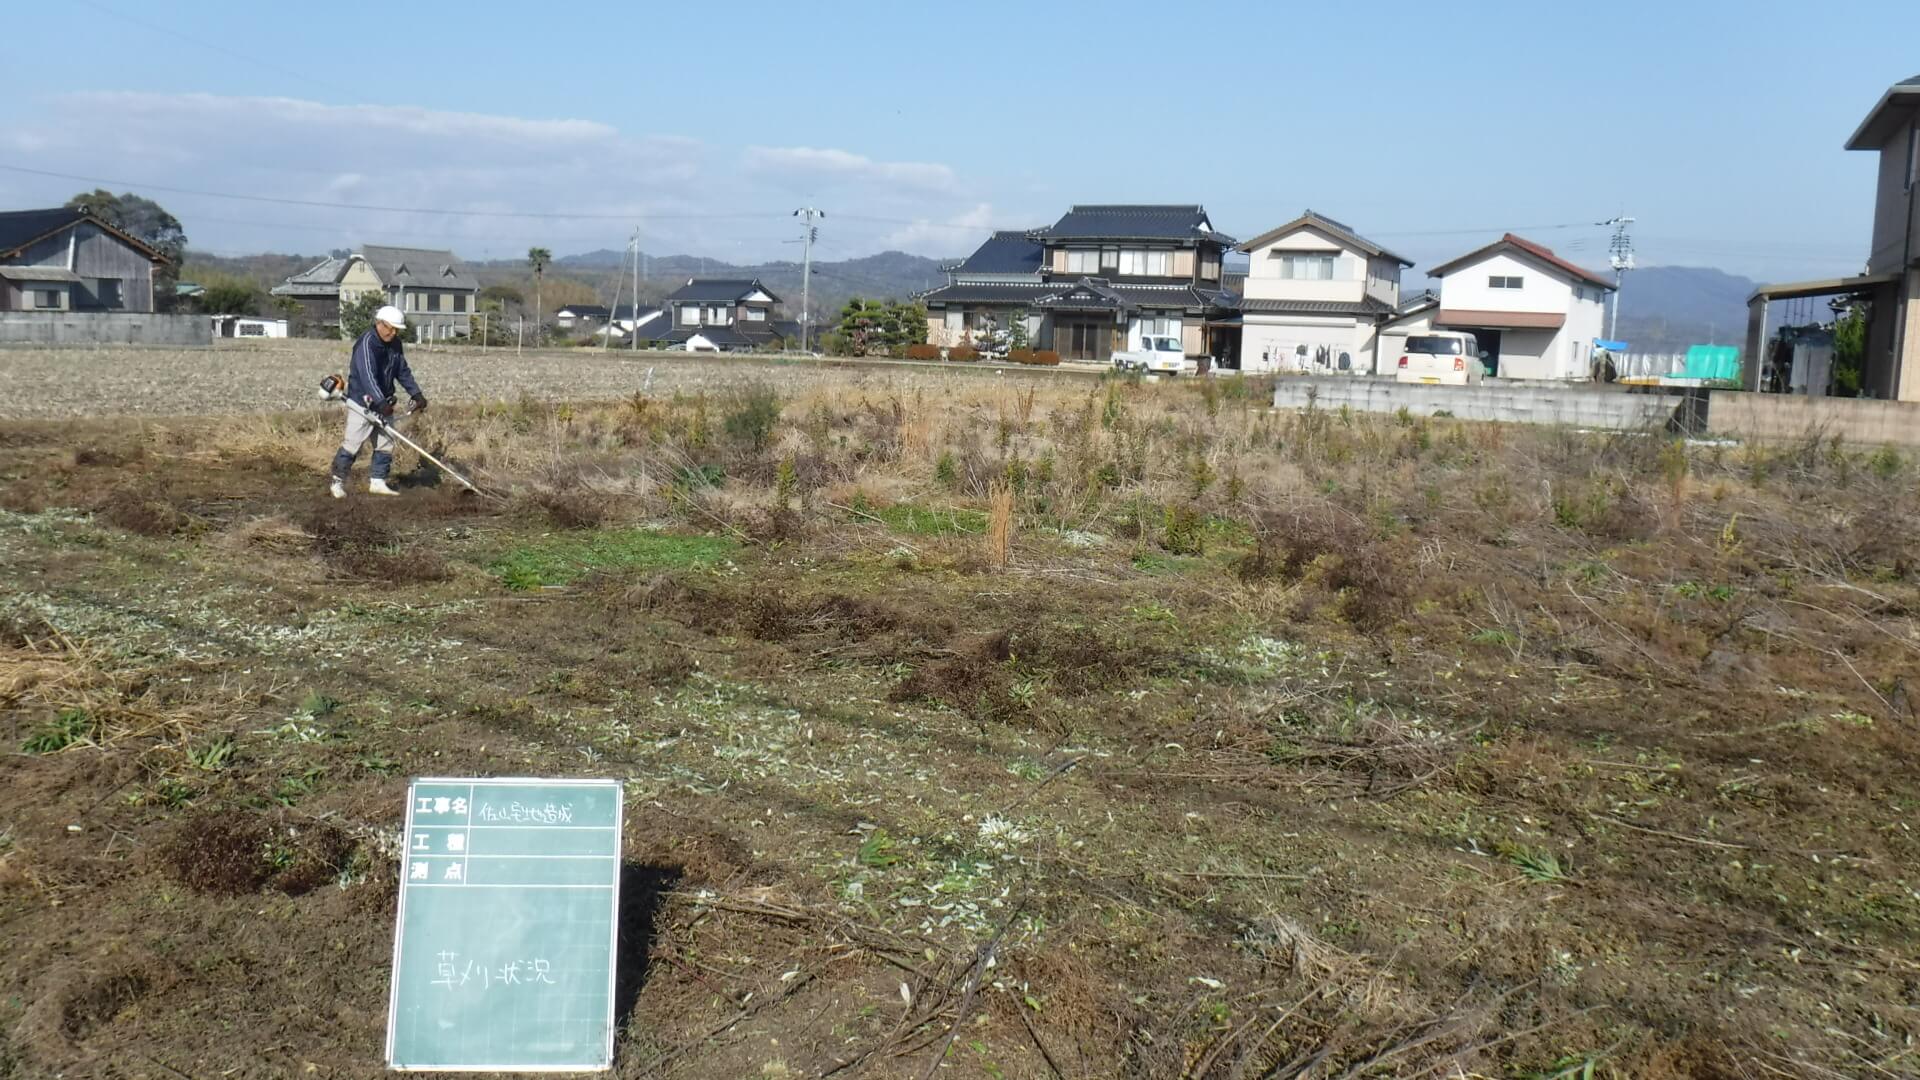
[932, 521]
[558, 560]
[1158, 563]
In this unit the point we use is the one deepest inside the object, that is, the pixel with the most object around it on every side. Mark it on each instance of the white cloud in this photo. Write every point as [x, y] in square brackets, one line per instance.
[371, 120]
[958, 234]
[688, 196]
[814, 164]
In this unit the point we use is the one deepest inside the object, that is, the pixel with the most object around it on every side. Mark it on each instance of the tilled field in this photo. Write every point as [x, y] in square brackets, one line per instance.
[248, 377]
[969, 728]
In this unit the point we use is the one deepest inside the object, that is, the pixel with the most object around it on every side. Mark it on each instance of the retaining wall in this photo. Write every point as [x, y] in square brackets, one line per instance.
[1612, 408]
[1738, 414]
[103, 328]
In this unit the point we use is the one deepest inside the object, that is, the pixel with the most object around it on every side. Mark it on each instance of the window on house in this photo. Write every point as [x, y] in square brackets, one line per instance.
[1145, 263]
[460, 303]
[756, 314]
[1306, 267]
[107, 289]
[1500, 282]
[47, 298]
[1210, 267]
[433, 301]
[1083, 262]
[1109, 258]
[689, 315]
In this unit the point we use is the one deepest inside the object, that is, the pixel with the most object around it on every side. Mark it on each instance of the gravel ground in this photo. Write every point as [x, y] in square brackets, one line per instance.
[248, 377]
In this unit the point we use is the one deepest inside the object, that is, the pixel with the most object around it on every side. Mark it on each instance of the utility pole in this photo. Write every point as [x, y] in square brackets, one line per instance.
[613, 312]
[1620, 254]
[808, 215]
[633, 336]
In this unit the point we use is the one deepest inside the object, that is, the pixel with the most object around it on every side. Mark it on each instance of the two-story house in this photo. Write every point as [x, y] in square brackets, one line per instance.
[1891, 367]
[1535, 314]
[66, 259]
[989, 291]
[1097, 280]
[433, 288]
[723, 315]
[1315, 297]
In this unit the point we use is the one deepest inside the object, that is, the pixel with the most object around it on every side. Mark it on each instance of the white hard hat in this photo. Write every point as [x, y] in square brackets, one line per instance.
[391, 316]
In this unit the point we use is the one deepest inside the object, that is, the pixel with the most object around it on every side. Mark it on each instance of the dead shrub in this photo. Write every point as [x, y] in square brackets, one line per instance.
[999, 536]
[359, 545]
[572, 509]
[145, 511]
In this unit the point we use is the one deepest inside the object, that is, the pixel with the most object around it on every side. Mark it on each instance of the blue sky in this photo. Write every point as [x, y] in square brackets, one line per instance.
[1429, 127]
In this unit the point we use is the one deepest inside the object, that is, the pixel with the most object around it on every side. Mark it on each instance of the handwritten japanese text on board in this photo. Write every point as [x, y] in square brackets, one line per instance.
[504, 947]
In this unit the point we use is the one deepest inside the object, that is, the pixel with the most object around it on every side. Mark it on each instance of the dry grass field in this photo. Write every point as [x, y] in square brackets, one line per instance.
[1022, 726]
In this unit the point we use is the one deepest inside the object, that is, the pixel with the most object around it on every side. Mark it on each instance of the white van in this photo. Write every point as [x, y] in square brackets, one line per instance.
[1446, 357]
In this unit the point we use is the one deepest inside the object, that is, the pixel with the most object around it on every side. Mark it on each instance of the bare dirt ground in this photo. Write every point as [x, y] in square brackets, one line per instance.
[1049, 728]
[251, 377]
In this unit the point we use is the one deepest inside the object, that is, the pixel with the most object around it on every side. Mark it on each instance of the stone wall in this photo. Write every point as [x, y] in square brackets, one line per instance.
[103, 328]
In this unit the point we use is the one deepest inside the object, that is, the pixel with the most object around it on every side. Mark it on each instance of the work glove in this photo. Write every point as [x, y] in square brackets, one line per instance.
[385, 409]
[419, 403]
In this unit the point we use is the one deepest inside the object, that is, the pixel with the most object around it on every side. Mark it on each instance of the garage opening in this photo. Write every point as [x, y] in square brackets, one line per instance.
[1489, 340]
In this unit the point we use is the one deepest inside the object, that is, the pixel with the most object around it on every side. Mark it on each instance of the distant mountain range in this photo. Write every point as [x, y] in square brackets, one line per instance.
[1663, 309]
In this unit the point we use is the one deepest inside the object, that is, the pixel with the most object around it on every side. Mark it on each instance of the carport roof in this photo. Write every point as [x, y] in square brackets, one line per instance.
[1795, 290]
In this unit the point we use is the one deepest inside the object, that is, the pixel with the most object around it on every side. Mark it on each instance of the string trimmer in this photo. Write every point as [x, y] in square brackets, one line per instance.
[334, 388]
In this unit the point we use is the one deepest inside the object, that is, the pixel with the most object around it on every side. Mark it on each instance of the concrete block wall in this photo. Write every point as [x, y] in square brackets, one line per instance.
[1585, 406]
[103, 328]
[1737, 414]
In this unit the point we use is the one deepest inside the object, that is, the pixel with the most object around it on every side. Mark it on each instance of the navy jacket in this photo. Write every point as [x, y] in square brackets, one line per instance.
[376, 366]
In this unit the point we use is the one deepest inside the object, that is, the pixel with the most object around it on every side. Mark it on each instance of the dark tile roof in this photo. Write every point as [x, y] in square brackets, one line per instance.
[423, 268]
[1135, 222]
[1416, 301]
[1322, 223]
[1541, 252]
[588, 311]
[1364, 308]
[19, 228]
[1005, 253]
[998, 292]
[1097, 294]
[712, 290]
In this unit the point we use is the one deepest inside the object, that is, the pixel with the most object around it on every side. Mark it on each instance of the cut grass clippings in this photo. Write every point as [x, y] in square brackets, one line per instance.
[560, 560]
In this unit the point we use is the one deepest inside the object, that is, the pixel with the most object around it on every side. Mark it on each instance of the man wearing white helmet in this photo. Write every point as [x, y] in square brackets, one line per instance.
[379, 361]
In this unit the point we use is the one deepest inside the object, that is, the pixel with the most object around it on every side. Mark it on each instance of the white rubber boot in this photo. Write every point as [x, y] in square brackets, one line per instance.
[377, 486]
[338, 488]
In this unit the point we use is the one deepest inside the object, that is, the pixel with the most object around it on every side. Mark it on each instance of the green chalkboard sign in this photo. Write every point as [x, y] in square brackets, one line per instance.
[503, 952]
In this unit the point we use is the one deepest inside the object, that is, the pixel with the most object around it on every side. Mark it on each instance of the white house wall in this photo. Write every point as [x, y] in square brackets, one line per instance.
[1466, 288]
[1263, 270]
[1272, 342]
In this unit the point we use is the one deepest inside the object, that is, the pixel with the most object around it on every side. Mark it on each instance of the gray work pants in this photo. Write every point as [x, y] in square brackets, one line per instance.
[359, 430]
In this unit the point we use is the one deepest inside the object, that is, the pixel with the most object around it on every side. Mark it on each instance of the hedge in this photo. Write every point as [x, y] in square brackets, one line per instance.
[1046, 357]
[963, 353]
[1021, 356]
[923, 352]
